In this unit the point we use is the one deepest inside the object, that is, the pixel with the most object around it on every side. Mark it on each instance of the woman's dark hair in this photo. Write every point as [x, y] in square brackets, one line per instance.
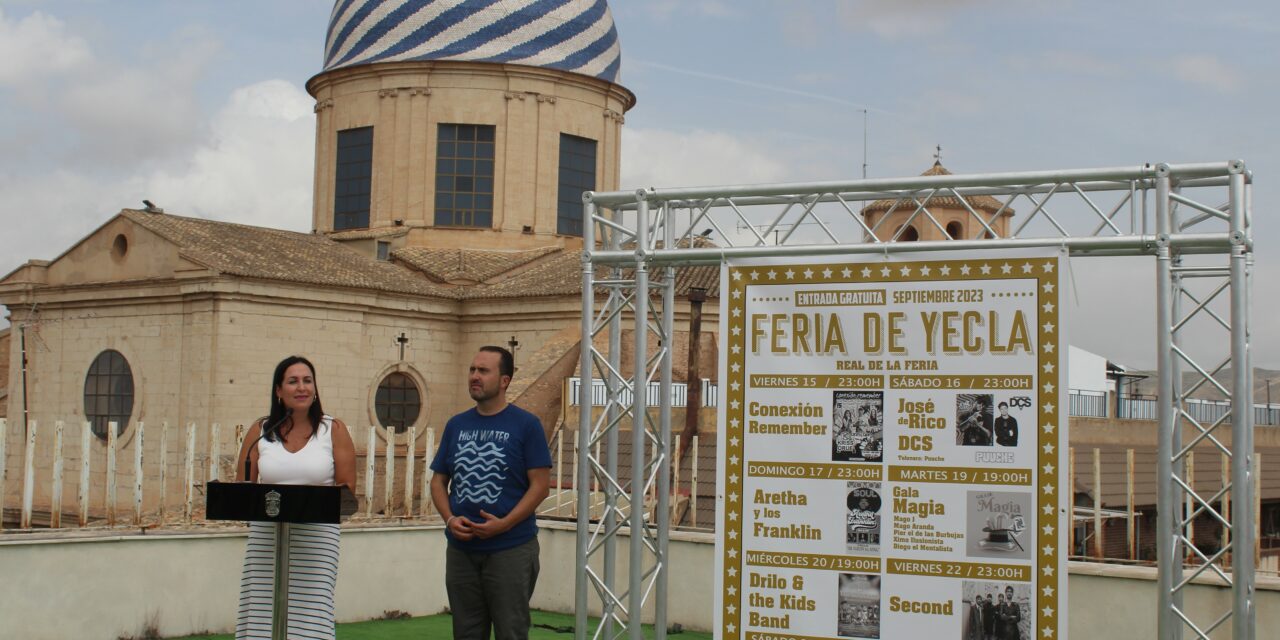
[272, 422]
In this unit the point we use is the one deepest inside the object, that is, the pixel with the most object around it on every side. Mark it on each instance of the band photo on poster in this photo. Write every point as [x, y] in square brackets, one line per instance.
[859, 606]
[1005, 423]
[857, 426]
[862, 532]
[996, 611]
[974, 420]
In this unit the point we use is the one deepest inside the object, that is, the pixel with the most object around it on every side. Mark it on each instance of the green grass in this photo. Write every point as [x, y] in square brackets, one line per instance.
[440, 626]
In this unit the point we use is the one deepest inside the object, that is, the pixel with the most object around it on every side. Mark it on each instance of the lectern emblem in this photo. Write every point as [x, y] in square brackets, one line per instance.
[273, 503]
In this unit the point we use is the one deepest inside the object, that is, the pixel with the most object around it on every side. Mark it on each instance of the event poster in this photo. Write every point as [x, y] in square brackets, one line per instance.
[891, 451]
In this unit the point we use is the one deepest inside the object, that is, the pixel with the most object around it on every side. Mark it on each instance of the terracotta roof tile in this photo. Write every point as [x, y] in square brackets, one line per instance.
[474, 265]
[980, 203]
[365, 234]
[458, 274]
[560, 274]
[273, 254]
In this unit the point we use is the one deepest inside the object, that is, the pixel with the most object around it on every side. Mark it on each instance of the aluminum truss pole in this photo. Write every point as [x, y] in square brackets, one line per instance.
[585, 379]
[1168, 548]
[663, 508]
[1185, 517]
[1169, 244]
[613, 415]
[639, 409]
[1242, 538]
[611, 447]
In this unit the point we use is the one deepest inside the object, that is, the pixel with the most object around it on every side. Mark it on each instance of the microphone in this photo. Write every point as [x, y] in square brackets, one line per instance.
[248, 454]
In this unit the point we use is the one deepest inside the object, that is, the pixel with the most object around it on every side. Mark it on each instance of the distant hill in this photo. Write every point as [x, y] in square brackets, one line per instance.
[1262, 378]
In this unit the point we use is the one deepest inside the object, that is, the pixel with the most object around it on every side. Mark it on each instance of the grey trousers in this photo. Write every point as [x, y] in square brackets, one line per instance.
[491, 591]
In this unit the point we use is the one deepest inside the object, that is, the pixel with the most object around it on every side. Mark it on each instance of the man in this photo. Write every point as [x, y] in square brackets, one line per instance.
[492, 470]
[1000, 617]
[989, 618]
[1012, 616]
[973, 626]
[975, 425]
[1006, 427]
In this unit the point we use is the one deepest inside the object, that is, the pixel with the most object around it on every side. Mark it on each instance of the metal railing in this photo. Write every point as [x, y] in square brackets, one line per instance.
[1090, 404]
[1203, 411]
[679, 393]
[70, 479]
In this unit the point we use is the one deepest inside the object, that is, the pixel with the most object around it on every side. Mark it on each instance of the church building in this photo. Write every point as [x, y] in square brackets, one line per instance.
[453, 144]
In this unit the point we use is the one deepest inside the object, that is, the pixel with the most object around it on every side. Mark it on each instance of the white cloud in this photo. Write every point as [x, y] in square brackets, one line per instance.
[661, 158]
[47, 213]
[36, 46]
[76, 104]
[252, 165]
[255, 167]
[897, 19]
[666, 8]
[1073, 62]
[129, 115]
[800, 24]
[1207, 71]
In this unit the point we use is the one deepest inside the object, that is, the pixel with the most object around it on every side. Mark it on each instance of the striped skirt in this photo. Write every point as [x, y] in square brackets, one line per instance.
[313, 572]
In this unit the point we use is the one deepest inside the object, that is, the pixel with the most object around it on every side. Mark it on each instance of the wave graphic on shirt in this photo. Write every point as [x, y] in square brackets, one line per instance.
[478, 470]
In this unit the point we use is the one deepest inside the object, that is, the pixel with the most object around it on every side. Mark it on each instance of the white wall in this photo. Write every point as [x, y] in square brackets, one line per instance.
[93, 585]
[88, 586]
[1086, 371]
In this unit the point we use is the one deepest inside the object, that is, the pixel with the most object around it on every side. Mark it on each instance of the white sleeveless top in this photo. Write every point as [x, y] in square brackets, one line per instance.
[312, 464]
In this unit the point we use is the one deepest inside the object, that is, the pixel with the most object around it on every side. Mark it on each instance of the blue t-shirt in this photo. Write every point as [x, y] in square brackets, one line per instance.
[487, 459]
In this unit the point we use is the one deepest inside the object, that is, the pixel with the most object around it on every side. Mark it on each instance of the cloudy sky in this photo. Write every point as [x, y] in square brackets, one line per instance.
[200, 107]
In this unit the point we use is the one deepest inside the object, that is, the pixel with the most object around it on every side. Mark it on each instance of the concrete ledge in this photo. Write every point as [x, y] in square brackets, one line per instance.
[106, 584]
[1142, 572]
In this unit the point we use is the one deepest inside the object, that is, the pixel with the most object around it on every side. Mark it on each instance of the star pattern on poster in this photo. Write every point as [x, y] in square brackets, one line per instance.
[1041, 274]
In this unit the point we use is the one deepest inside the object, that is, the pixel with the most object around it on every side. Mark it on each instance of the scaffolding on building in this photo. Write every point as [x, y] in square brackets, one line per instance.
[1193, 219]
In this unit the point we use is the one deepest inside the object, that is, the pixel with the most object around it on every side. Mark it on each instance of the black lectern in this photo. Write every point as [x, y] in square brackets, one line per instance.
[282, 504]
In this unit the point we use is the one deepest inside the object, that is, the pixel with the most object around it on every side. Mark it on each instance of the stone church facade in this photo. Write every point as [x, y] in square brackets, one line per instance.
[451, 156]
[452, 149]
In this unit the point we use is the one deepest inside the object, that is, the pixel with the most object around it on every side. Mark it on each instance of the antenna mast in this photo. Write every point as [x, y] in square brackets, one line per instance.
[864, 144]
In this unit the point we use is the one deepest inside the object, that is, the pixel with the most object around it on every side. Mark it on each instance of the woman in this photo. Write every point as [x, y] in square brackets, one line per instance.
[296, 443]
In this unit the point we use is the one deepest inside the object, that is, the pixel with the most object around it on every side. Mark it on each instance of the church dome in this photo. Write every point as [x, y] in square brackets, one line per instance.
[568, 35]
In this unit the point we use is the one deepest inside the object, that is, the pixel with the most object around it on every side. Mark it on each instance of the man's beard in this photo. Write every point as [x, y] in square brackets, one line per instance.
[481, 394]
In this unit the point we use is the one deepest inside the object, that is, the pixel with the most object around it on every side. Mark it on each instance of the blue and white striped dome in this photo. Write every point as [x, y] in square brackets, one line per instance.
[569, 35]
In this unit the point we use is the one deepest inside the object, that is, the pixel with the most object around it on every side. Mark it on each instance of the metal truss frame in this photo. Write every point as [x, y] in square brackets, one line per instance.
[1194, 219]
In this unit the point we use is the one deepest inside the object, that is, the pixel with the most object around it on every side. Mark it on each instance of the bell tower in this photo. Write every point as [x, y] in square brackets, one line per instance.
[892, 218]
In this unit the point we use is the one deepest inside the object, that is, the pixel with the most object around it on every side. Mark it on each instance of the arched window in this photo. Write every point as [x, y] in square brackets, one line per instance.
[397, 402]
[108, 393]
[909, 234]
[955, 230]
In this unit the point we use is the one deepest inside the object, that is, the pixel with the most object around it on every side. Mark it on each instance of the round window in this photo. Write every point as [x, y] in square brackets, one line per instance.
[108, 393]
[398, 402]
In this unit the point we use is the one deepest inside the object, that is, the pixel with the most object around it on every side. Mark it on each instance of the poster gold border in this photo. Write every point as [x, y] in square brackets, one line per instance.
[1044, 270]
